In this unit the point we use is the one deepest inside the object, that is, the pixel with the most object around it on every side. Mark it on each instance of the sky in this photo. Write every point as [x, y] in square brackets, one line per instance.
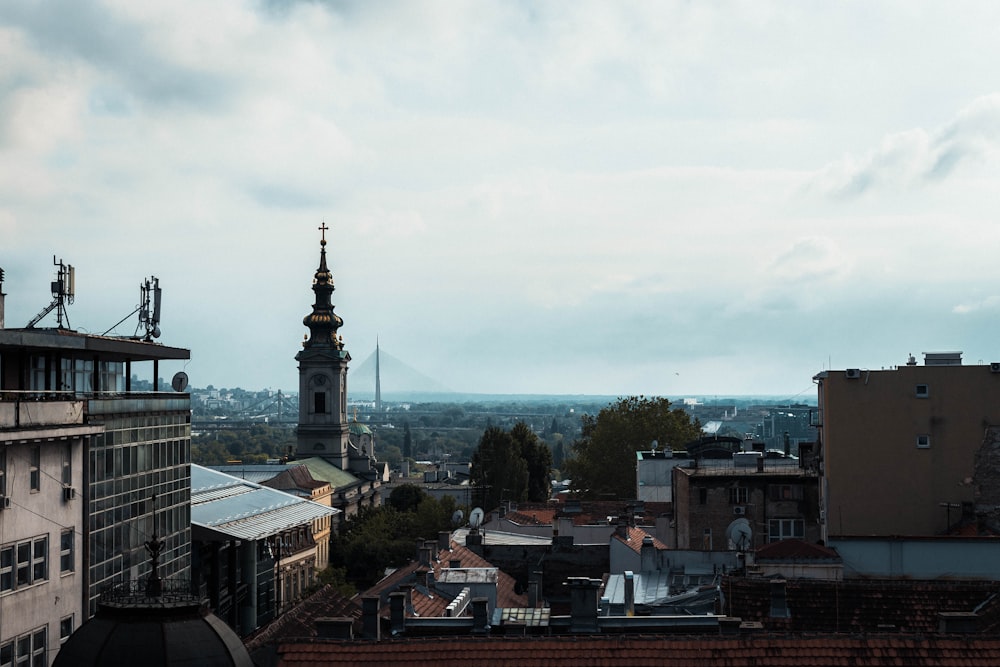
[664, 198]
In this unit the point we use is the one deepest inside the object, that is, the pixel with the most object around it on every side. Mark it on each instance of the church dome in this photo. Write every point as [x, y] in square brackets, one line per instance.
[360, 429]
[170, 629]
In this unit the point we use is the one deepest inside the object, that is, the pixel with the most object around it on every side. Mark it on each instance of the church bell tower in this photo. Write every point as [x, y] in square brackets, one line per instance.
[323, 426]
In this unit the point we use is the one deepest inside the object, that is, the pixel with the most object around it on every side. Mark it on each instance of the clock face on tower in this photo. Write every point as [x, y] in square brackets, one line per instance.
[320, 380]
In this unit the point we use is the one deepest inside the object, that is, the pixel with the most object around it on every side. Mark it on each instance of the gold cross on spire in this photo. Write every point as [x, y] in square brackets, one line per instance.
[322, 228]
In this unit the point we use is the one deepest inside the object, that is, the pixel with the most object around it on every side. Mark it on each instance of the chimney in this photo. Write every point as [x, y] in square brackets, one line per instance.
[397, 612]
[480, 616]
[583, 604]
[341, 627]
[760, 464]
[432, 546]
[371, 627]
[534, 588]
[429, 579]
[622, 528]
[444, 541]
[779, 599]
[647, 555]
[425, 555]
[629, 593]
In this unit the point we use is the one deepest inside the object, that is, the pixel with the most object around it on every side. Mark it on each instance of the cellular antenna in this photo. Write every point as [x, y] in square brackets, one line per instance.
[63, 292]
[148, 309]
[150, 319]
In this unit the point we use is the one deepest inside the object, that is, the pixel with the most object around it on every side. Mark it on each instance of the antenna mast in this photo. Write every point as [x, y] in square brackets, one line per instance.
[150, 319]
[63, 292]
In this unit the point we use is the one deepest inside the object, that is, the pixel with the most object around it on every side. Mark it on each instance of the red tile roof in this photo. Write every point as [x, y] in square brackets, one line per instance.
[635, 537]
[300, 620]
[643, 651]
[427, 602]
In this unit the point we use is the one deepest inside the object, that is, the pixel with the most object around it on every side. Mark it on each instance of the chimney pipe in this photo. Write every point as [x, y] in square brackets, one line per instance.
[647, 555]
[371, 627]
[480, 616]
[629, 593]
[397, 612]
[583, 604]
[444, 541]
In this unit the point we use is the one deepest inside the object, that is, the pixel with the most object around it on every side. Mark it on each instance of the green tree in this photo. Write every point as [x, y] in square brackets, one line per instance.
[406, 497]
[538, 459]
[604, 456]
[498, 468]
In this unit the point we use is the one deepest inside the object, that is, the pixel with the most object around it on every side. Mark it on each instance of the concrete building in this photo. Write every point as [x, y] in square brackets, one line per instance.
[899, 447]
[91, 470]
[774, 498]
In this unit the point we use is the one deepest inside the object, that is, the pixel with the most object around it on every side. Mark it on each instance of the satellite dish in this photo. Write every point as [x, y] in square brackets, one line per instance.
[456, 518]
[476, 517]
[740, 534]
[180, 381]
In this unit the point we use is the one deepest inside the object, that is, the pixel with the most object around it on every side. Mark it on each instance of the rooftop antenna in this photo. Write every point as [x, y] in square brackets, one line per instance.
[63, 292]
[148, 309]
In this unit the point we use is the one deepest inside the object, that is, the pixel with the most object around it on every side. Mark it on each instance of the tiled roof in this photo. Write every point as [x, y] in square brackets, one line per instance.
[425, 602]
[300, 620]
[795, 550]
[861, 605]
[648, 651]
[635, 537]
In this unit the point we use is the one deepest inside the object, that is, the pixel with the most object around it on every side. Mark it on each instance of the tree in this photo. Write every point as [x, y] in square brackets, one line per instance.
[604, 456]
[538, 459]
[406, 497]
[498, 468]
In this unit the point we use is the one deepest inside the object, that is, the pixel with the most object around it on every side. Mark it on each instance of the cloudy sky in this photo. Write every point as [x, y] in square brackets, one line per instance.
[666, 198]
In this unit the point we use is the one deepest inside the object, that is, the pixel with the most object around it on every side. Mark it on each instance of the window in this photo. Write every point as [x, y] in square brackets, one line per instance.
[702, 496]
[28, 650]
[319, 402]
[739, 495]
[66, 541]
[3, 471]
[65, 629]
[24, 563]
[924, 442]
[783, 529]
[923, 391]
[67, 464]
[35, 468]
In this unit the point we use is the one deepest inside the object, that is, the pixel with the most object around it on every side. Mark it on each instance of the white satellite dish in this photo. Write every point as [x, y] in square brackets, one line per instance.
[740, 534]
[476, 517]
[180, 381]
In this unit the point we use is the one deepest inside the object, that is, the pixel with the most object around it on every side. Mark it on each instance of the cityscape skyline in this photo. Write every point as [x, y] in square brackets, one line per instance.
[661, 199]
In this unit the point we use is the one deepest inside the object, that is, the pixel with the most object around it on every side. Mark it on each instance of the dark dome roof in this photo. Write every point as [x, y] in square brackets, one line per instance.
[164, 631]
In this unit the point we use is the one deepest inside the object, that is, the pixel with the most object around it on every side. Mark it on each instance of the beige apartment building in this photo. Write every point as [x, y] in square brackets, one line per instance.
[898, 447]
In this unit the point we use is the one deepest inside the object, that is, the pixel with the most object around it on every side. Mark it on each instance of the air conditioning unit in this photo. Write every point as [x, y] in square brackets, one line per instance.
[740, 511]
[4, 503]
[69, 493]
[995, 367]
[852, 373]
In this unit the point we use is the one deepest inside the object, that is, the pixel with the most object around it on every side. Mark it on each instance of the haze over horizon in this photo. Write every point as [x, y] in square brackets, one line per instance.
[589, 198]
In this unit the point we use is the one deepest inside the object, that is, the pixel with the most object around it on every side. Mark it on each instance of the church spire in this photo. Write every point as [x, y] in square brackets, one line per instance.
[322, 321]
